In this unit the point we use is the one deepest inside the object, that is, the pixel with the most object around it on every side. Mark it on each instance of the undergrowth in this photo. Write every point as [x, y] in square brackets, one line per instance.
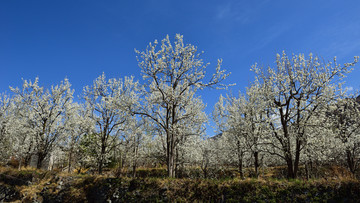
[29, 185]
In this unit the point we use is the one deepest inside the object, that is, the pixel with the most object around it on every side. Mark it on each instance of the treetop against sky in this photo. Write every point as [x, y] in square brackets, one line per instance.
[81, 39]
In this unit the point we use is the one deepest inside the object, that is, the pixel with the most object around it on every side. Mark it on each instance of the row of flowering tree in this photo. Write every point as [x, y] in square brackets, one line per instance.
[294, 113]
[115, 114]
[282, 111]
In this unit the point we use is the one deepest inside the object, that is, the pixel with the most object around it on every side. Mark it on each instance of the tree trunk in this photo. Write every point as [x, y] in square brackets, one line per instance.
[101, 161]
[41, 157]
[307, 171]
[176, 162]
[135, 162]
[28, 155]
[171, 167]
[100, 166]
[240, 160]
[290, 167]
[171, 164]
[79, 170]
[134, 170]
[291, 174]
[27, 160]
[240, 166]
[297, 158]
[204, 169]
[256, 163]
[69, 164]
[20, 162]
[350, 161]
[171, 156]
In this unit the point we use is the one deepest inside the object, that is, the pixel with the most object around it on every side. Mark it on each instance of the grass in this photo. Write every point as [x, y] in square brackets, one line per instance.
[153, 186]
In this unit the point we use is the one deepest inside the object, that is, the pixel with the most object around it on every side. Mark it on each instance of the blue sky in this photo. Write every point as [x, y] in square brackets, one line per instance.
[80, 39]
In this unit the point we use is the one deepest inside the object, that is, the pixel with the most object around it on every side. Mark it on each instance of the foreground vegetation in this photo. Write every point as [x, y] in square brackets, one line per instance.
[32, 185]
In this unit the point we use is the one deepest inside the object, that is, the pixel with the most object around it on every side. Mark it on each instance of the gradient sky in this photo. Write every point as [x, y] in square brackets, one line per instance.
[80, 39]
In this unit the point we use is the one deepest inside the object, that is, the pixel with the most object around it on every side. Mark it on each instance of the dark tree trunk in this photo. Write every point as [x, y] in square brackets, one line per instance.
[100, 166]
[171, 165]
[256, 163]
[176, 162]
[240, 166]
[41, 157]
[28, 155]
[102, 154]
[134, 165]
[350, 161]
[205, 171]
[27, 160]
[290, 167]
[79, 170]
[240, 159]
[134, 170]
[297, 158]
[101, 161]
[69, 164]
[20, 163]
[170, 156]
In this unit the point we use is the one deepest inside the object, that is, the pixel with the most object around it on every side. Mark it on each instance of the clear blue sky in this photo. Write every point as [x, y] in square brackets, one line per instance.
[80, 39]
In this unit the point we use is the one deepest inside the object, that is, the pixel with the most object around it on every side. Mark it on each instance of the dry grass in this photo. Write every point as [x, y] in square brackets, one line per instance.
[182, 189]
